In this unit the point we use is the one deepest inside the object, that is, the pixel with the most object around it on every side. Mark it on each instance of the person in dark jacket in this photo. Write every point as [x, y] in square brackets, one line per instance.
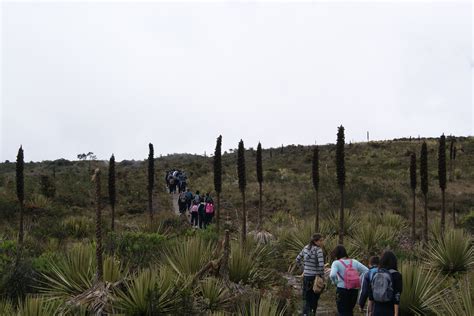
[364, 290]
[182, 205]
[313, 263]
[189, 198]
[202, 214]
[388, 264]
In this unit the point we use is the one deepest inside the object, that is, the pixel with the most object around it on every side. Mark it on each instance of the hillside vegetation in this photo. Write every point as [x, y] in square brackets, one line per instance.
[57, 260]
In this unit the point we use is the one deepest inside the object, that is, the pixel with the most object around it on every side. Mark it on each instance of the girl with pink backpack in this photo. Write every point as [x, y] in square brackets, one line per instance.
[345, 273]
[209, 213]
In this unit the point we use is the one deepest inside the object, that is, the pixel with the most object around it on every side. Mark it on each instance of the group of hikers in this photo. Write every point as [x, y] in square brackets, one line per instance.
[176, 180]
[380, 283]
[200, 206]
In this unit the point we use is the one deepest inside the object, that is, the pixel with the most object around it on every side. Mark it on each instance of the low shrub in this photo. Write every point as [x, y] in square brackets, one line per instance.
[136, 249]
[452, 253]
[78, 227]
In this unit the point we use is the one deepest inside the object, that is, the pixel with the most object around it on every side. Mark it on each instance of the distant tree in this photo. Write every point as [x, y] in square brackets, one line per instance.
[260, 184]
[112, 193]
[20, 191]
[424, 187]
[89, 157]
[218, 177]
[442, 178]
[242, 184]
[341, 178]
[98, 226]
[451, 158]
[151, 180]
[315, 177]
[413, 191]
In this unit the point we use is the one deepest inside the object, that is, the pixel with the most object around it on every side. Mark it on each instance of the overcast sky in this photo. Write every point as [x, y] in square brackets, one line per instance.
[112, 77]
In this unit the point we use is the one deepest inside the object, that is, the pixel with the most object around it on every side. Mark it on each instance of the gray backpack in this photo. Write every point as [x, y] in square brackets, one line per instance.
[382, 286]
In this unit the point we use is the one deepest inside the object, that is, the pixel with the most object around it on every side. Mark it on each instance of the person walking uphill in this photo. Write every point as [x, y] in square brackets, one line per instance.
[386, 287]
[313, 263]
[345, 273]
[367, 277]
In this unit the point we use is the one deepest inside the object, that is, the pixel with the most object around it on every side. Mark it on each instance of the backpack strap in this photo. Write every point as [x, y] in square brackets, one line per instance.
[345, 266]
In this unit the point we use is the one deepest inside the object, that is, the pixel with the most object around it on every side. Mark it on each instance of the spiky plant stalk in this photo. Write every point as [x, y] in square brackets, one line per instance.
[20, 191]
[218, 178]
[151, 180]
[98, 226]
[260, 184]
[413, 192]
[242, 185]
[424, 187]
[112, 192]
[341, 178]
[451, 158]
[315, 177]
[442, 178]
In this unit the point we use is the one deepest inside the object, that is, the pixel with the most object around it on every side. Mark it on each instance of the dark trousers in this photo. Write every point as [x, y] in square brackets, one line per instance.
[310, 298]
[202, 219]
[208, 218]
[182, 206]
[384, 309]
[345, 301]
[194, 218]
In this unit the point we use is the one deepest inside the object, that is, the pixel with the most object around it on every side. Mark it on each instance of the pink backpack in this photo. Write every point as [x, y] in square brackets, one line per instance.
[351, 276]
[209, 208]
[194, 208]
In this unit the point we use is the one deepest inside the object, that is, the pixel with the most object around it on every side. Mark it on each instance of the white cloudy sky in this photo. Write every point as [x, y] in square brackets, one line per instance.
[112, 77]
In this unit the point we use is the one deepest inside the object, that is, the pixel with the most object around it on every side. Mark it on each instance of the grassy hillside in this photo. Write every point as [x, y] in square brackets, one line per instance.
[60, 210]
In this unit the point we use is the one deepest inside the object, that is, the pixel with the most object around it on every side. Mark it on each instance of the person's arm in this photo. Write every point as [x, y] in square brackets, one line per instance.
[397, 289]
[361, 268]
[370, 308]
[320, 257]
[364, 291]
[299, 257]
[333, 273]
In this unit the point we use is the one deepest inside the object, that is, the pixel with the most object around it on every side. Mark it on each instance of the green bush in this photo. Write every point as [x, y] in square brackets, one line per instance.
[186, 257]
[7, 253]
[74, 272]
[78, 227]
[249, 264]
[263, 306]
[213, 295]
[468, 222]
[150, 292]
[451, 254]
[137, 249]
[38, 306]
[17, 280]
[458, 300]
[422, 289]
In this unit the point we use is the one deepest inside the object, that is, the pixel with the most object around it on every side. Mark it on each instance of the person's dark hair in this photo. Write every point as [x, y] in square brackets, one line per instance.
[197, 192]
[339, 252]
[388, 261]
[314, 238]
[374, 261]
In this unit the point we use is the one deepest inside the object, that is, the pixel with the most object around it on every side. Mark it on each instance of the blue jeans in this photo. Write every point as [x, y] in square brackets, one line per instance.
[310, 298]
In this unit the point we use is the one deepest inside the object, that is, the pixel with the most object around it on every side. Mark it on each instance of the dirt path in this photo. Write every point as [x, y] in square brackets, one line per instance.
[174, 198]
[326, 304]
